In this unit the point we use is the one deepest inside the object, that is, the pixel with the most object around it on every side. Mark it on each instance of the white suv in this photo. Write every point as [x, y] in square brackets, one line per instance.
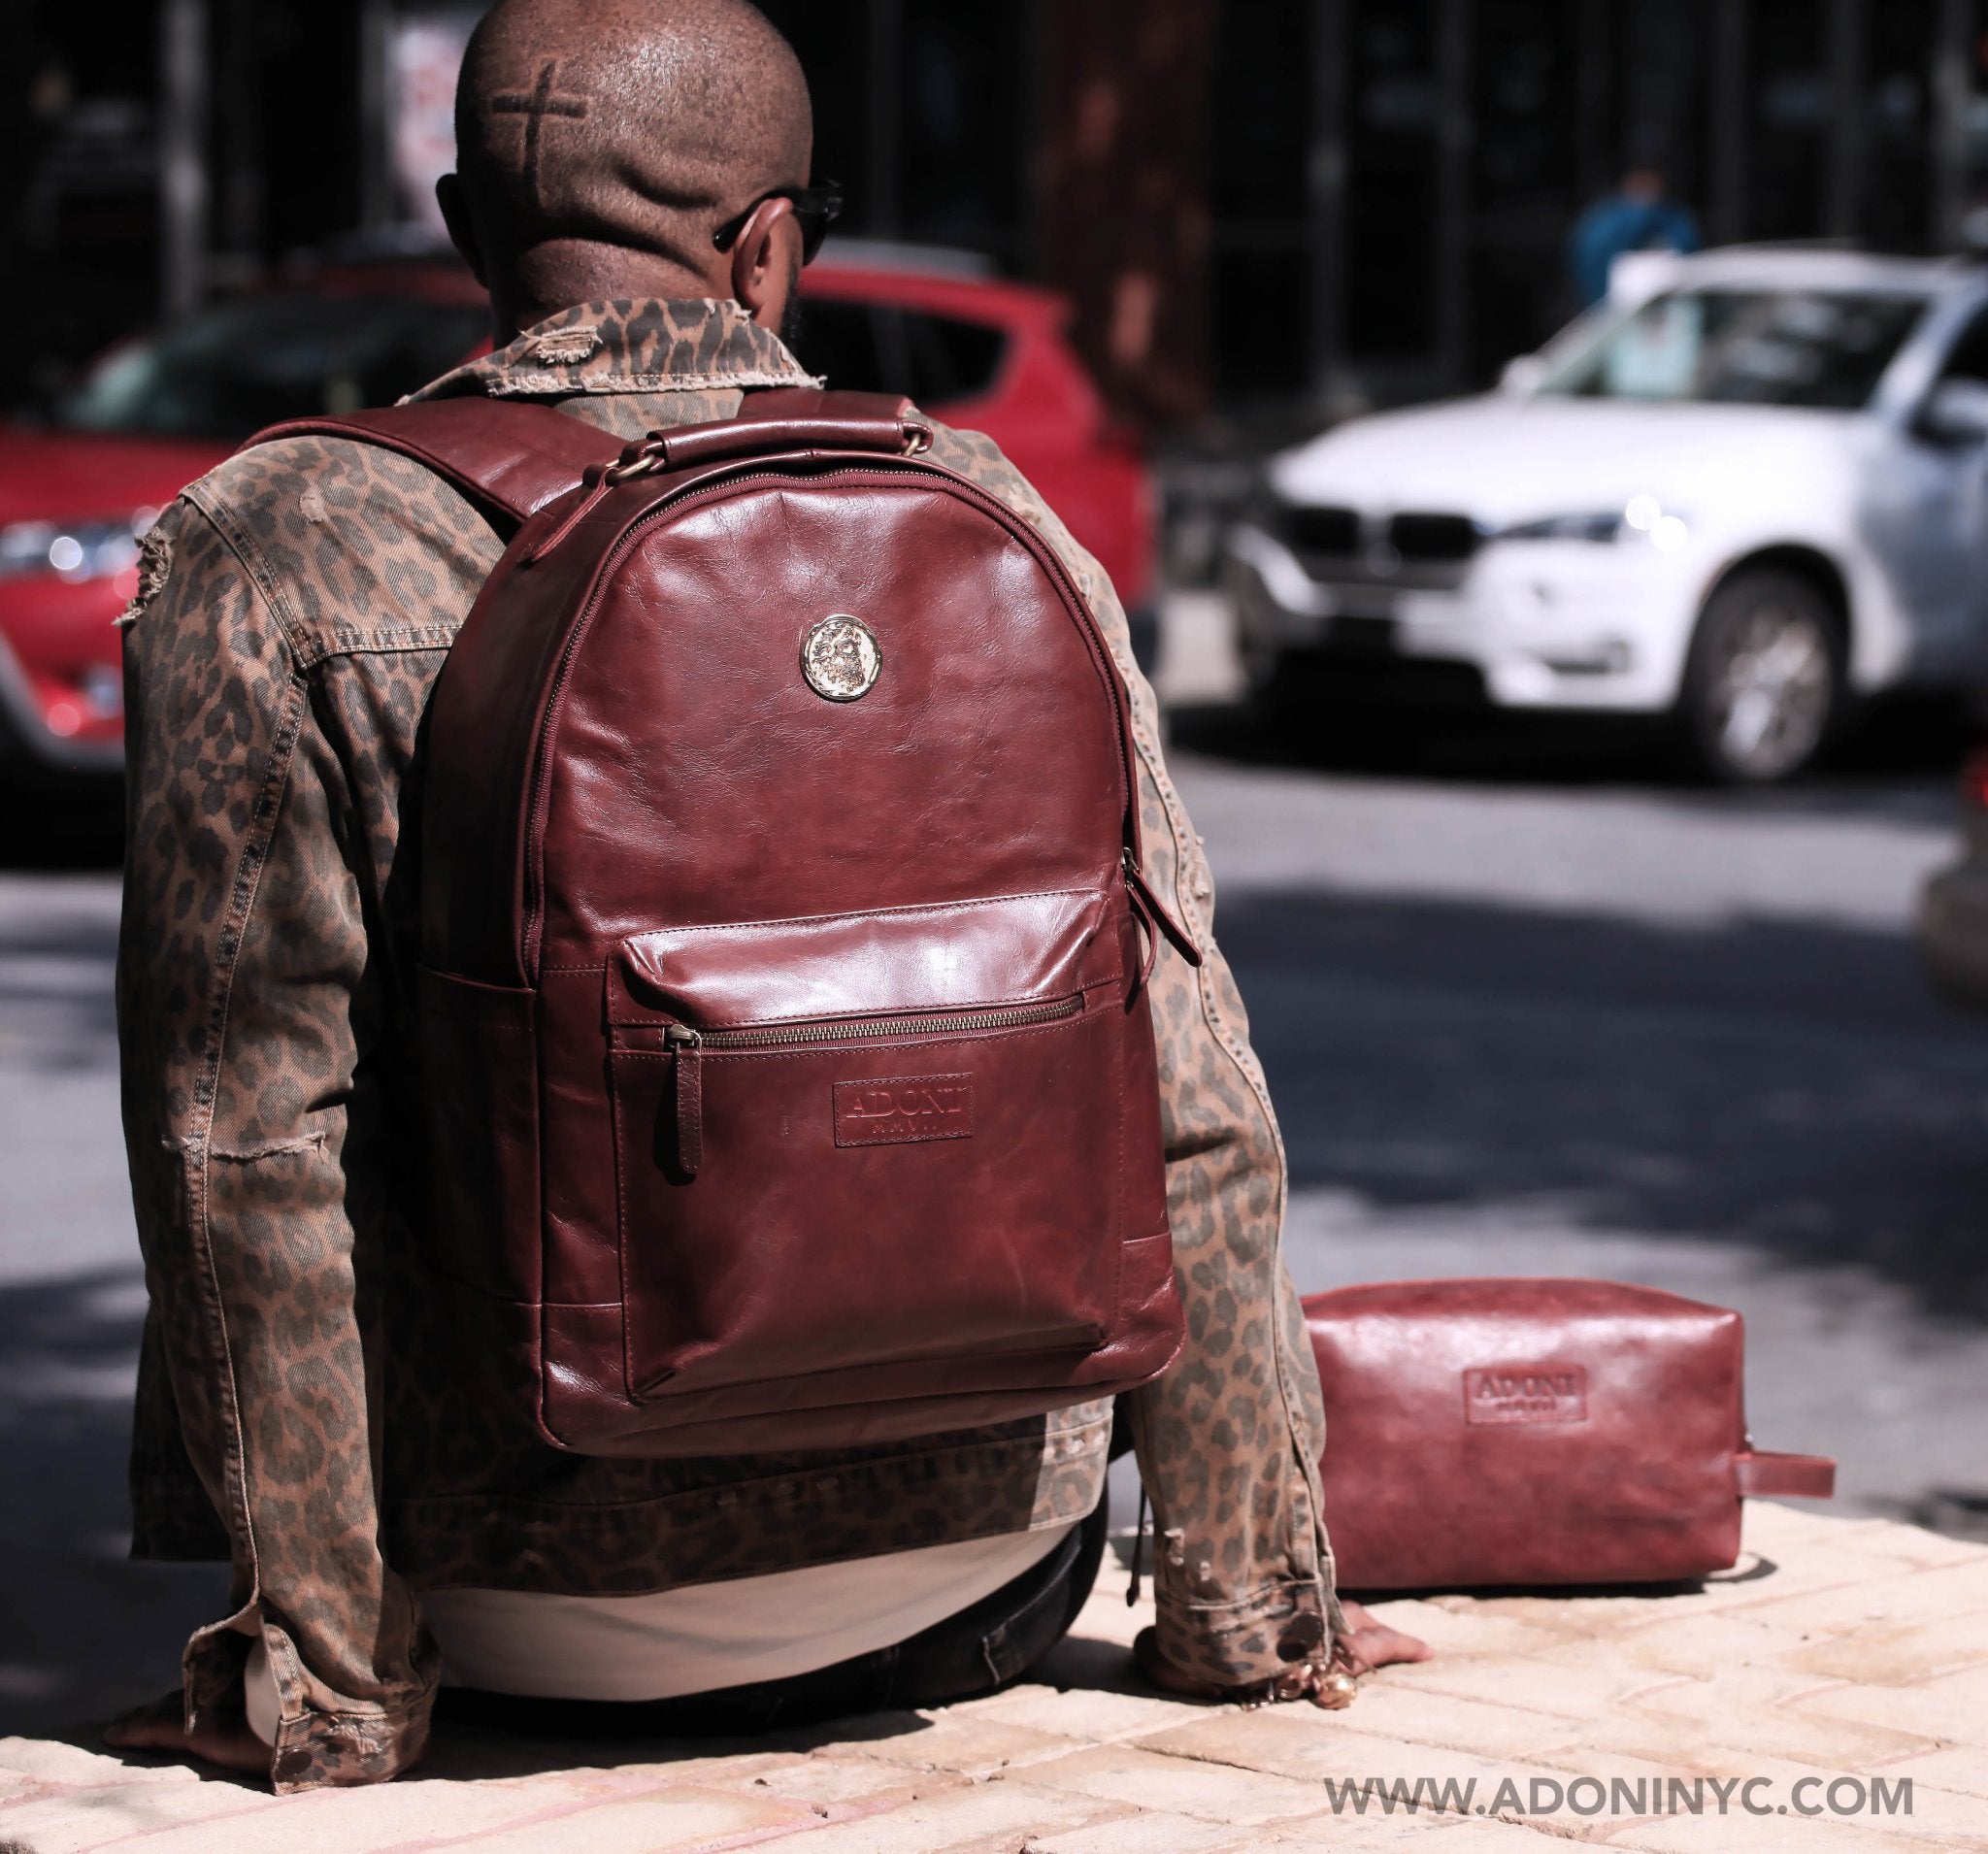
[1756, 488]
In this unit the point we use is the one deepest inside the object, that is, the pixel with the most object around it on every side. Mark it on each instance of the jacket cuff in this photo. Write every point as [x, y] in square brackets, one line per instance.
[1254, 1637]
[333, 1750]
[333, 1742]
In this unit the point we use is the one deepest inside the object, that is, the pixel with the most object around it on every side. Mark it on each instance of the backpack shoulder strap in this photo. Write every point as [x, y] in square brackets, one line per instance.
[511, 457]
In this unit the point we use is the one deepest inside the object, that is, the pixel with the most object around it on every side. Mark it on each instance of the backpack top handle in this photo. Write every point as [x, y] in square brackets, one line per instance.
[787, 418]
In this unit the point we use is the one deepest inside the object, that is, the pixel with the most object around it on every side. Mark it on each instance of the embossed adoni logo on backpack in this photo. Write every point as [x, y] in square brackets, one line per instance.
[902, 1110]
[1526, 1394]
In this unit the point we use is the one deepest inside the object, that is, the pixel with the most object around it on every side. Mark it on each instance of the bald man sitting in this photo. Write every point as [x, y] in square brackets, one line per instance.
[634, 191]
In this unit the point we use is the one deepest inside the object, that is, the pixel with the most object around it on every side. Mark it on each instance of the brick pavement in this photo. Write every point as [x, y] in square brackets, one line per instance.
[1842, 1651]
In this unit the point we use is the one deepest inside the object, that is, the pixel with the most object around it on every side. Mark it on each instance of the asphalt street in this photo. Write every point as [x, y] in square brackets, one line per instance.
[1529, 1016]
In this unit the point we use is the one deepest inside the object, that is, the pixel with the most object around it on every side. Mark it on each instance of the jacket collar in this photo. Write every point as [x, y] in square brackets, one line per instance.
[630, 347]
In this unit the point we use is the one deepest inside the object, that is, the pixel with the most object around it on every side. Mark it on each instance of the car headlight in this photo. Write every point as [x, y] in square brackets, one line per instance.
[1667, 530]
[1643, 519]
[1603, 526]
[73, 550]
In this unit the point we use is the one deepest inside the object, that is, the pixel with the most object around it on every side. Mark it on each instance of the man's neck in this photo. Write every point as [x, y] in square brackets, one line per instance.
[562, 276]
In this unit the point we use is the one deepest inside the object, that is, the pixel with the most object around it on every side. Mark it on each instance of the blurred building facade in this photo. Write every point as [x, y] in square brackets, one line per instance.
[1275, 202]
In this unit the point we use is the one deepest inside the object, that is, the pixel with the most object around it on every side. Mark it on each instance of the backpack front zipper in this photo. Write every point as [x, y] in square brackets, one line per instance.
[682, 1036]
[689, 1046]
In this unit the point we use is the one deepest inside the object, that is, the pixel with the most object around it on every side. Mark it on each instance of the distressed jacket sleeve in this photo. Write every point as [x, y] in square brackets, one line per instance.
[1229, 1439]
[242, 948]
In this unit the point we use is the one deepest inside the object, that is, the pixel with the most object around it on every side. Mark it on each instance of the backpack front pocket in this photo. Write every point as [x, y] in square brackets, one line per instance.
[851, 1143]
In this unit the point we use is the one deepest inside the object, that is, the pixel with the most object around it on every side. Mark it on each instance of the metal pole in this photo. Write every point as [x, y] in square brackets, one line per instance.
[1952, 85]
[235, 153]
[1730, 88]
[887, 118]
[1843, 208]
[379, 205]
[183, 183]
[1032, 235]
[1598, 152]
[1454, 136]
[1325, 173]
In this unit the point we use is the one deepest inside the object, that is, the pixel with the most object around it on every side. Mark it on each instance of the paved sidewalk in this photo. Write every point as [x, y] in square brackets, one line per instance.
[1844, 1651]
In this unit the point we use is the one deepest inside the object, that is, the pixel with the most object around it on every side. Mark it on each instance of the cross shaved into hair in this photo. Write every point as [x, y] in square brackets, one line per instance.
[634, 125]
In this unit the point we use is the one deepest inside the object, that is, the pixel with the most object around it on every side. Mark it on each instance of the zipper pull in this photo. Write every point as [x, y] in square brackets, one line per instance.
[687, 1046]
[1156, 911]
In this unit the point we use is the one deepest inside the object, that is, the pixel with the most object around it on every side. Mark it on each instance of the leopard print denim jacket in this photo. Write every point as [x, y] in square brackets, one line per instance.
[277, 664]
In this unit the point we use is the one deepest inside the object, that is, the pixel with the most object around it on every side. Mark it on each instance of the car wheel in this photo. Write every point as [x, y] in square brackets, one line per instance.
[1764, 680]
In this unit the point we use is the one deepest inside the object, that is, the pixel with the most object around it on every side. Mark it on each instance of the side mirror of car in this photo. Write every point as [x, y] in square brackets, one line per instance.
[1955, 413]
[1523, 376]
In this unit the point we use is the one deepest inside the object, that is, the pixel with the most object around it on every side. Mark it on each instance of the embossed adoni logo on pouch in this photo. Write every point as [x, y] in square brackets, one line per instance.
[1526, 1394]
[904, 1110]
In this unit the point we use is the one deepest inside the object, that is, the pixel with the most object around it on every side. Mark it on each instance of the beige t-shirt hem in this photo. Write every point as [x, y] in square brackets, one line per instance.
[700, 1638]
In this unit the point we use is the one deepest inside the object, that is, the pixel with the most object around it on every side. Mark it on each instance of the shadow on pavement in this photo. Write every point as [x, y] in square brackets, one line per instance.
[1920, 739]
[56, 990]
[49, 825]
[87, 1633]
[570, 1735]
[1786, 1086]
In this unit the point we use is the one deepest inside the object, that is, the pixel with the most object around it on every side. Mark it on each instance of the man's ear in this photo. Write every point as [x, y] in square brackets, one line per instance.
[462, 234]
[765, 262]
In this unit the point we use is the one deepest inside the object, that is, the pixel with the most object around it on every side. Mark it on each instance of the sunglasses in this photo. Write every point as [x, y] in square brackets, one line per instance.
[816, 210]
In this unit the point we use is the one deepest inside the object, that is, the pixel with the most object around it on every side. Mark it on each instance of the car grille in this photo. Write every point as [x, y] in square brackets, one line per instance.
[1416, 552]
[1434, 538]
[1326, 531]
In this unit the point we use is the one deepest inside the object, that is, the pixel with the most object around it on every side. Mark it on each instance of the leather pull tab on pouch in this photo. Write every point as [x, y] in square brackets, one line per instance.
[1762, 1473]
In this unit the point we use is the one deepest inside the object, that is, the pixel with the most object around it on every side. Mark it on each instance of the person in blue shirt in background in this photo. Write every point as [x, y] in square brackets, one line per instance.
[1637, 217]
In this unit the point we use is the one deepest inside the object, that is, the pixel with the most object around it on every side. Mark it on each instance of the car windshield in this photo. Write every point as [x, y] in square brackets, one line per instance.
[227, 373]
[880, 348]
[1825, 349]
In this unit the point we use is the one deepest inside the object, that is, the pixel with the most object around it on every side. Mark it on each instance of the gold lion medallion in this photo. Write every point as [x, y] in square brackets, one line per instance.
[840, 658]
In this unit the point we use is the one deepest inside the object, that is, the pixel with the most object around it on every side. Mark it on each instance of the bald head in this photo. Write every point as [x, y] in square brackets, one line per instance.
[599, 143]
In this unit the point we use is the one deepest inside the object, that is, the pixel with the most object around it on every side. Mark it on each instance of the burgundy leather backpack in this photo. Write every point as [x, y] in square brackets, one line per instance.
[787, 1060]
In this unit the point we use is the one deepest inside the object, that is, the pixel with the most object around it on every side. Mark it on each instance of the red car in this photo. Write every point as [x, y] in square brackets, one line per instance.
[160, 410]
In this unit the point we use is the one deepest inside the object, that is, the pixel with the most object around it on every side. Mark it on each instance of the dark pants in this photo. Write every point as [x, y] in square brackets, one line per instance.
[984, 1648]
